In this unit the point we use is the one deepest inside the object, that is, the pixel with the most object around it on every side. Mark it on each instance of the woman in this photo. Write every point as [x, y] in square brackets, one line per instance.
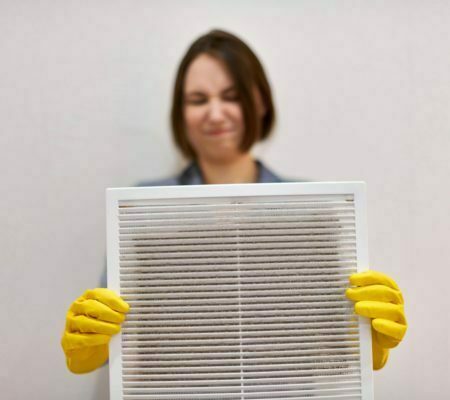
[222, 105]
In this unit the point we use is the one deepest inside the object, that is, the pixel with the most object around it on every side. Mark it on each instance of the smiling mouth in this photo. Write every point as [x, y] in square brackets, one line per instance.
[218, 132]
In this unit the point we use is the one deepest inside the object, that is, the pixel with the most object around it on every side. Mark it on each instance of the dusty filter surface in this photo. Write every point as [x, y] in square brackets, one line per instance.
[236, 297]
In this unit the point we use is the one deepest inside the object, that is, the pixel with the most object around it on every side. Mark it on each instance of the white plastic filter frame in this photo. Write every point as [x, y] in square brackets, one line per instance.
[244, 192]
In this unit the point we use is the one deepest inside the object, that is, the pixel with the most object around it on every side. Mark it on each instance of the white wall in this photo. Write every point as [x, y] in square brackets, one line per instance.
[363, 93]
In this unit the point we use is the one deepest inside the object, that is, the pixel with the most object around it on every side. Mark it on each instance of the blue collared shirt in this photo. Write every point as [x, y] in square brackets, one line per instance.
[193, 176]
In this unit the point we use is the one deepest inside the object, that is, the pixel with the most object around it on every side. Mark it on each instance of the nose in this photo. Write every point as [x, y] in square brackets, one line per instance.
[216, 110]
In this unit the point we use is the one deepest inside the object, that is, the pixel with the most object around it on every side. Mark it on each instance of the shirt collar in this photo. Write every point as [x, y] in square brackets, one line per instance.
[192, 175]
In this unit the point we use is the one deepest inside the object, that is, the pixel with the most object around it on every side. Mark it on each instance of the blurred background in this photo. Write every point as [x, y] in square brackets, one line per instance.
[362, 91]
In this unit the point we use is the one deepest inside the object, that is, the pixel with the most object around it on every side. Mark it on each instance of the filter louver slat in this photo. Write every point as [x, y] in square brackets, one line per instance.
[236, 297]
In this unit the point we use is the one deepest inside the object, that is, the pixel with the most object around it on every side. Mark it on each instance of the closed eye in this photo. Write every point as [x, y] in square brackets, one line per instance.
[195, 98]
[230, 94]
[196, 101]
[198, 98]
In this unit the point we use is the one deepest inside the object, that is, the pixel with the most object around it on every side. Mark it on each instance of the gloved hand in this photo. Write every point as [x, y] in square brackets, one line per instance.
[90, 322]
[378, 297]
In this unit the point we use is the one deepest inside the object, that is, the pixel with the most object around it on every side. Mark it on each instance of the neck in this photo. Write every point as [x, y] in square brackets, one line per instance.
[242, 169]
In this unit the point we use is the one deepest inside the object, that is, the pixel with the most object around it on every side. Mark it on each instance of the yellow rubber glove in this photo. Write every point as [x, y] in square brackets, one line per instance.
[378, 297]
[90, 322]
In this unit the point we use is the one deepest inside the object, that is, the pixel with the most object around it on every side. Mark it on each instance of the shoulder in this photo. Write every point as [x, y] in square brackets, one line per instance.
[266, 175]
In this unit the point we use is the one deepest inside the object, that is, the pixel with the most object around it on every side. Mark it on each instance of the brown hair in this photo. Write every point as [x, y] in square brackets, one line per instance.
[247, 73]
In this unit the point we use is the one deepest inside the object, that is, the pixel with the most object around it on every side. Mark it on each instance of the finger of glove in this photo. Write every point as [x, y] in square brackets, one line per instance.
[389, 328]
[375, 293]
[372, 278]
[86, 359]
[83, 324]
[383, 341]
[95, 309]
[107, 297]
[378, 309]
[380, 354]
[74, 341]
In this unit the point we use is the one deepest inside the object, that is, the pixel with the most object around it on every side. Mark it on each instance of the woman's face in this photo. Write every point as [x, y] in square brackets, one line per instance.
[212, 112]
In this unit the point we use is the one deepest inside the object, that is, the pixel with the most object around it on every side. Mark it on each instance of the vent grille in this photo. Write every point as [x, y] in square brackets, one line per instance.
[238, 298]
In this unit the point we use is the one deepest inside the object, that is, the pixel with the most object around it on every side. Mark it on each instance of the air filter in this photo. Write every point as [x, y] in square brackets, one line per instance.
[237, 292]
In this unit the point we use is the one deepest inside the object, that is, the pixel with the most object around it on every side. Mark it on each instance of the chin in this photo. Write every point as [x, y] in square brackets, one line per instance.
[224, 156]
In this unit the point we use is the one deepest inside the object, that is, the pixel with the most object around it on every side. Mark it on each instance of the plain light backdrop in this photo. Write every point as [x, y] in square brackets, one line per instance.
[362, 91]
